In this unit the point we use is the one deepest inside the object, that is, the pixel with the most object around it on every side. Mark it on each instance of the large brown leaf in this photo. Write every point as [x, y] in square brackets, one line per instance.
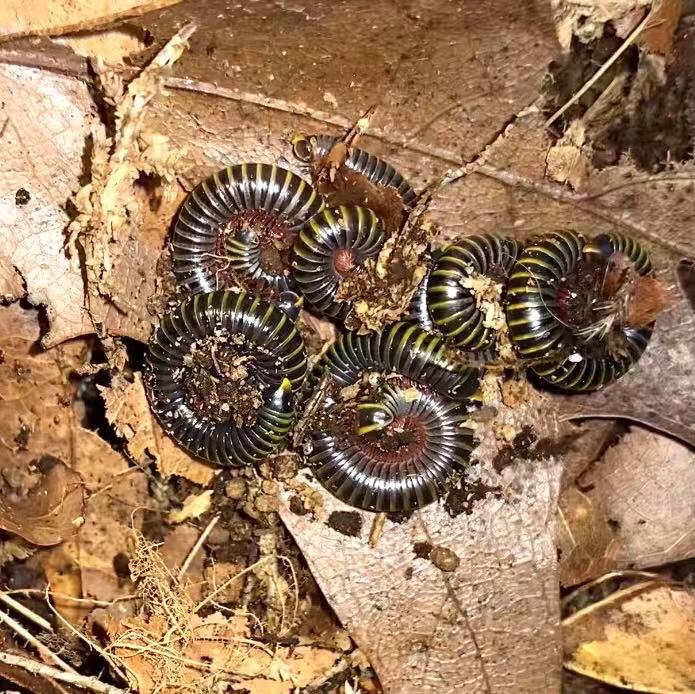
[51, 512]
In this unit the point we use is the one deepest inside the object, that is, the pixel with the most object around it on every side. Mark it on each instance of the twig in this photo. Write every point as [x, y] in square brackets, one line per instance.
[196, 547]
[30, 638]
[64, 596]
[109, 659]
[78, 680]
[601, 71]
[26, 612]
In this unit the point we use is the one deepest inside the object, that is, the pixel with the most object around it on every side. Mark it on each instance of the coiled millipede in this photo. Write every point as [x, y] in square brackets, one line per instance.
[396, 448]
[562, 315]
[220, 373]
[239, 224]
[311, 148]
[329, 247]
[450, 298]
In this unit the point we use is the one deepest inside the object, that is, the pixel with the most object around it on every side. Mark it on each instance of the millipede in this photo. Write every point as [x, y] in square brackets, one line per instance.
[330, 246]
[400, 455]
[311, 148]
[450, 300]
[562, 317]
[226, 369]
[417, 421]
[214, 352]
[236, 227]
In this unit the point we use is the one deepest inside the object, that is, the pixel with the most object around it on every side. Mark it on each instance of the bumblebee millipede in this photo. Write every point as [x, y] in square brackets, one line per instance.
[328, 248]
[226, 368]
[311, 148]
[564, 315]
[451, 304]
[237, 224]
[397, 448]
[214, 351]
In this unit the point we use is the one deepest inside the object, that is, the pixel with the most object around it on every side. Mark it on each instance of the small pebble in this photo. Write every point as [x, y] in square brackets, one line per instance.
[236, 488]
[444, 559]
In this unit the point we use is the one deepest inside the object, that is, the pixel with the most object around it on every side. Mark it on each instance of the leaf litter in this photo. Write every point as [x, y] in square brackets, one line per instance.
[110, 299]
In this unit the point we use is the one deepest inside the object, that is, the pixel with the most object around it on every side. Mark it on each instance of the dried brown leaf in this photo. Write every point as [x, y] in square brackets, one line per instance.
[118, 496]
[641, 638]
[586, 542]
[51, 512]
[194, 505]
[42, 17]
[36, 416]
[129, 412]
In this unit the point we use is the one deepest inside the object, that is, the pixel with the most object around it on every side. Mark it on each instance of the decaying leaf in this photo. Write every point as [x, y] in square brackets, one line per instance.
[504, 545]
[193, 506]
[586, 542]
[36, 416]
[129, 412]
[41, 17]
[41, 170]
[631, 508]
[112, 206]
[116, 503]
[51, 512]
[642, 638]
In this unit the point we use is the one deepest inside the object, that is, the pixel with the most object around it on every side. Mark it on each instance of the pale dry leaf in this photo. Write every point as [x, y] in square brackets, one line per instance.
[46, 162]
[194, 505]
[645, 487]
[43, 17]
[505, 547]
[129, 412]
[11, 281]
[641, 638]
[51, 512]
[586, 543]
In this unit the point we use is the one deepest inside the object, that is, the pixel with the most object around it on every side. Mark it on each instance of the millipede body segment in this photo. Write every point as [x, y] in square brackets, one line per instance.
[407, 439]
[238, 225]
[329, 247]
[561, 317]
[220, 373]
[450, 298]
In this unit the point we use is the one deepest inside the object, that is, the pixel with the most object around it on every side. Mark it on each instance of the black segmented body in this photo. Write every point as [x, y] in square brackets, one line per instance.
[272, 345]
[308, 148]
[329, 246]
[539, 289]
[219, 228]
[430, 410]
[357, 470]
[405, 349]
[418, 312]
[452, 306]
